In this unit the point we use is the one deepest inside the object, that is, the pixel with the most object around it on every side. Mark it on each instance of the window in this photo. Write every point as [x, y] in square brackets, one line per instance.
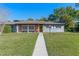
[48, 26]
[24, 28]
[57, 26]
[31, 28]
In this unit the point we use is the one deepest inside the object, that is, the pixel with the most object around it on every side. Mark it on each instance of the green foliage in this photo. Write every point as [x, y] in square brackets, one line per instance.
[77, 26]
[30, 19]
[68, 20]
[7, 29]
[52, 17]
[42, 19]
[65, 15]
[77, 14]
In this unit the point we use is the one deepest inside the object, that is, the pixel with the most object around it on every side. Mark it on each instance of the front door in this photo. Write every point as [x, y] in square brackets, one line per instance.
[38, 28]
[41, 28]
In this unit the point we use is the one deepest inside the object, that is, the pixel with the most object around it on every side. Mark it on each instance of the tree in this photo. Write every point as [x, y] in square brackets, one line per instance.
[65, 15]
[42, 19]
[69, 23]
[58, 12]
[52, 17]
[30, 19]
[77, 14]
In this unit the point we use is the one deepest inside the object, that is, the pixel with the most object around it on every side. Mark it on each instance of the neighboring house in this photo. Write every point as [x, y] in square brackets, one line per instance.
[36, 26]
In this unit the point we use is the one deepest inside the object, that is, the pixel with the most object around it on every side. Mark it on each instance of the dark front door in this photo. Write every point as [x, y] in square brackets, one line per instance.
[38, 28]
[41, 28]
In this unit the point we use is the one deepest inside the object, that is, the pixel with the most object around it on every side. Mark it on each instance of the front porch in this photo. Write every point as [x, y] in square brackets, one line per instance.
[29, 28]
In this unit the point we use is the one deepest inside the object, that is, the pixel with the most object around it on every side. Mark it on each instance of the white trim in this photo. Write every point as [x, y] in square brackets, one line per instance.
[27, 28]
[17, 28]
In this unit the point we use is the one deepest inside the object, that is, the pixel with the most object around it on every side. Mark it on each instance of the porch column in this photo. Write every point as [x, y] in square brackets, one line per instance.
[34, 29]
[27, 28]
[17, 28]
[38, 28]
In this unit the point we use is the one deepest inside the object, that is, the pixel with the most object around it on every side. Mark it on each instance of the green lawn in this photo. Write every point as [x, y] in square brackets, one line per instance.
[17, 44]
[62, 44]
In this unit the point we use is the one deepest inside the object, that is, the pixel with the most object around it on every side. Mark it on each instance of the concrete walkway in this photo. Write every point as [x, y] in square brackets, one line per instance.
[40, 47]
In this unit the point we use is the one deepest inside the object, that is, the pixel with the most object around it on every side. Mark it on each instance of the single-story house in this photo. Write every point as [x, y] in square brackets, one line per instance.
[36, 26]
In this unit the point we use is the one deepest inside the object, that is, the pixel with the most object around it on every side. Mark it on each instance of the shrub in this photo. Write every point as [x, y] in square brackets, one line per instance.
[7, 29]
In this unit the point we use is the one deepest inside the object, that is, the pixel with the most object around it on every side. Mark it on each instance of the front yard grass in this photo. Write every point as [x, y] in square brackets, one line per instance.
[17, 44]
[62, 44]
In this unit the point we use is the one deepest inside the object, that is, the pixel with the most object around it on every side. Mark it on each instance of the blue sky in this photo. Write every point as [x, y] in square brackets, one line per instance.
[23, 11]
